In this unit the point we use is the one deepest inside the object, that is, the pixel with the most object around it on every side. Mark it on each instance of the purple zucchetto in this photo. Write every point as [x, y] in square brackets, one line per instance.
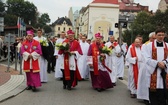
[97, 35]
[30, 32]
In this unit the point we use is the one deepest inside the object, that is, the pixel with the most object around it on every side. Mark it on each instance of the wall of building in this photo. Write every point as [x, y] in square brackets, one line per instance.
[162, 5]
[102, 18]
[63, 27]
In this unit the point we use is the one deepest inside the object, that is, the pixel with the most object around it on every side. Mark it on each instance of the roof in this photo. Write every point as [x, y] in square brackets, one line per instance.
[125, 5]
[125, 1]
[60, 21]
[106, 1]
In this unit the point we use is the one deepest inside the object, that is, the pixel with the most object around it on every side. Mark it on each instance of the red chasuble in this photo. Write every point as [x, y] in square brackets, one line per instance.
[135, 66]
[31, 48]
[74, 46]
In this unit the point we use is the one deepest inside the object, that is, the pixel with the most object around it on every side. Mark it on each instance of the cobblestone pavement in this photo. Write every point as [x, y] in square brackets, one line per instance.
[11, 83]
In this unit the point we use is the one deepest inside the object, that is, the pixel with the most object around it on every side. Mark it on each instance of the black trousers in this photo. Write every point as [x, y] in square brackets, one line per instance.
[53, 63]
[68, 83]
[159, 97]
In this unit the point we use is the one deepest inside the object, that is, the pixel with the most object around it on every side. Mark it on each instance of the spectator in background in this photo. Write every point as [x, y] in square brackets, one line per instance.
[52, 58]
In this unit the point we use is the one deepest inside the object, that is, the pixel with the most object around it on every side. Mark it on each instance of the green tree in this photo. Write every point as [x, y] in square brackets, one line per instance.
[127, 35]
[141, 26]
[23, 9]
[160, 19]
[47, 29]
[10, 20]
[1, 6]
[39, 25]
[44, 19]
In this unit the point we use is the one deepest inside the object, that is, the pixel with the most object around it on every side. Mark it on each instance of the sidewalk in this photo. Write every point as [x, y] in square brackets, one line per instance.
[11, 83]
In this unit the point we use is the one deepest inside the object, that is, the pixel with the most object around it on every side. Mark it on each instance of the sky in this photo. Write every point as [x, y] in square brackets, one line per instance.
[60, 8]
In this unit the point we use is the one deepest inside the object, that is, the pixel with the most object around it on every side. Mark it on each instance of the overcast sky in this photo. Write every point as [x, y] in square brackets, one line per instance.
[60, 8]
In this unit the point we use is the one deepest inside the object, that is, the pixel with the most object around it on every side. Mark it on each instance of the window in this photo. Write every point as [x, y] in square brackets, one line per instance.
[58, 28]
[64, 28]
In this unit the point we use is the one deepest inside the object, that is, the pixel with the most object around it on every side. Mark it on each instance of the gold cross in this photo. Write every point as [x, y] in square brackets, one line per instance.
[66, 61]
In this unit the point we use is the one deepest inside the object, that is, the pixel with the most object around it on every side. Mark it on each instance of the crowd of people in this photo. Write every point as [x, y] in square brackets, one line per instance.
[72, 60]
[14, 49]
[103, 63]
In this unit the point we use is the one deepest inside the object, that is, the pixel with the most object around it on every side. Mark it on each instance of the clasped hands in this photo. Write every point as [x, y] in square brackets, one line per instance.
[161, 65]
[91, 66]
[102, 54]
[71, 52]
[30, 56]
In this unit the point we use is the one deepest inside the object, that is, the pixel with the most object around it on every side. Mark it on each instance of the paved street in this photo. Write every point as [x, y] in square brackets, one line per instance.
[51, 93]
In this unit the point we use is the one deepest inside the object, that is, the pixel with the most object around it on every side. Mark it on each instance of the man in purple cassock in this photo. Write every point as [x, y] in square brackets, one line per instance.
[98, 70]
[31, 51]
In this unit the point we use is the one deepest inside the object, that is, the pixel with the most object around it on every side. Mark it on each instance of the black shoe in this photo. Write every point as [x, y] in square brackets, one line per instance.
[61, 79]
[64, 87]
[29, 88]
[114, 84]
[121, 78]
[133, 95]
[99, 90]
[48, 72]
[33, 88]
[146, 102]
[69, 88]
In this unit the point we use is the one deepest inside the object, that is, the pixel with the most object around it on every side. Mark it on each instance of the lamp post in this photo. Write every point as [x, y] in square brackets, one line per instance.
[123, 21]
[2, 20]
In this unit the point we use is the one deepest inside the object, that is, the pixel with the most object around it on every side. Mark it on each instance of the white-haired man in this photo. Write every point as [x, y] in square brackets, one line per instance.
[142, 90]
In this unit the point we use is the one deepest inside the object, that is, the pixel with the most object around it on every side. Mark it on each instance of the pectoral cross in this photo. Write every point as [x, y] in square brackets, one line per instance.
[66, 61]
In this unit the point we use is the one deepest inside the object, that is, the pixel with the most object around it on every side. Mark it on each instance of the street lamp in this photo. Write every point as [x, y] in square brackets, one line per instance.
[6, 7]
[2, 20]
[122, 23]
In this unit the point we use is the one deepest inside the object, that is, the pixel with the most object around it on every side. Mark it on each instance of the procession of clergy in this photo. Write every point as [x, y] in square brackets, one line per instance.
[146, 62]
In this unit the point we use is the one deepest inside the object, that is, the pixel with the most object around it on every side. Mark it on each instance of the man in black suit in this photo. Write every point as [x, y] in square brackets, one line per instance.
[52, 59]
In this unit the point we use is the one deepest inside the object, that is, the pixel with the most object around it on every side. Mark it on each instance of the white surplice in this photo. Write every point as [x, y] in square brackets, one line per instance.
[153, 63]
[42, 62]
[111, 62]
[82, 65]
[132, 60]
[143, 90]
[120, 60]
[59, 60]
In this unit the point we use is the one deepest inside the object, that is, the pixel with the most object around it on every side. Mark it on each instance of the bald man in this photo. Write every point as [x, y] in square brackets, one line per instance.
[111, 59]
[134, 58]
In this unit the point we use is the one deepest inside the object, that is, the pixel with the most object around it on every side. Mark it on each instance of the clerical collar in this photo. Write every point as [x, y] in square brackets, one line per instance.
[159, 44]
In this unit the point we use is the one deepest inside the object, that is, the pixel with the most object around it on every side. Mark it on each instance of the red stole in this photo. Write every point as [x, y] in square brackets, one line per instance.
[135, 66]
[114, 44]
[95, 53]
[31, 48]
[74, 46]
[153, 82]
